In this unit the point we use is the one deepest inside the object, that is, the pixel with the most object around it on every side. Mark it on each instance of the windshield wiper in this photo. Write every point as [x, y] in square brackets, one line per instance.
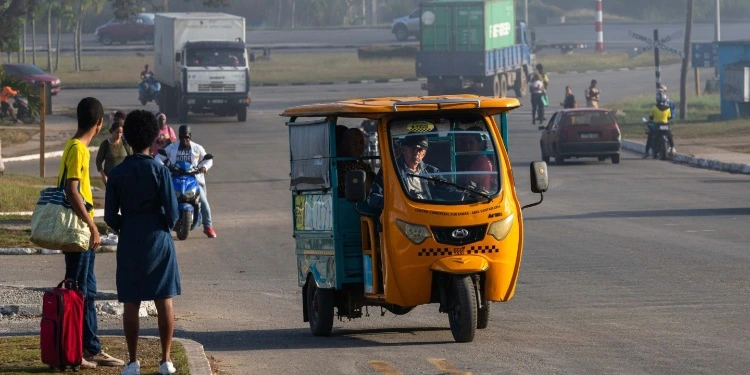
[464, 188]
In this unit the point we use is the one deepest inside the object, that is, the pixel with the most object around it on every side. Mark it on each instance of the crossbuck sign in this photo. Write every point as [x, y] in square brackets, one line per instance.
[660, 44]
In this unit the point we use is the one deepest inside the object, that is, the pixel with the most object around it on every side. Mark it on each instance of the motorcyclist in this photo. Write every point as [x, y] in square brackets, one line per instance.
[660, 115]
[186, 150]
[5, 95]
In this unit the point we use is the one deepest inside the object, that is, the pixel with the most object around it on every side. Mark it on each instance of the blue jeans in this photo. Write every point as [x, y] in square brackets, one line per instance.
[205, 208]
[80, 267]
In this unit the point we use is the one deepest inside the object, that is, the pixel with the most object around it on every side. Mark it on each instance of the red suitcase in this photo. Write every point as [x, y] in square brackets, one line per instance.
[61, 336]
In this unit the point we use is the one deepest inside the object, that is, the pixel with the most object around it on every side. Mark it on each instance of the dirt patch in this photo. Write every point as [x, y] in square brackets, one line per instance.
[12, 136]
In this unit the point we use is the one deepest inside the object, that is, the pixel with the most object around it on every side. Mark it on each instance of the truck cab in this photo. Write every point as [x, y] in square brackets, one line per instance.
[202, 63]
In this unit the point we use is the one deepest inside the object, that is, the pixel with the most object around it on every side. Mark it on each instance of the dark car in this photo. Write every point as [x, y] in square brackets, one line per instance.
[30, 73]
[581, 132]
[138, 28]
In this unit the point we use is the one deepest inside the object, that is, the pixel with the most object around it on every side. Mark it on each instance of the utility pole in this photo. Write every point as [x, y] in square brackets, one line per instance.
[374, 12]
[686, 58]
[526, 12]
[364, 12]
[166, 5]
[717, 32]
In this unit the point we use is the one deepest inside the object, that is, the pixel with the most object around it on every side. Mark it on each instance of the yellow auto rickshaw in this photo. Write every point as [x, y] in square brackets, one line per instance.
[439, 222]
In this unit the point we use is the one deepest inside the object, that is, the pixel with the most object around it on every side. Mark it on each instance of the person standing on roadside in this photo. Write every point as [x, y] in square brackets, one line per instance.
[570, 99]
[592, 95]
[79, 267]
[112, 151]
[141, 206]
[166, 135]
[536, 87]
[543, 76]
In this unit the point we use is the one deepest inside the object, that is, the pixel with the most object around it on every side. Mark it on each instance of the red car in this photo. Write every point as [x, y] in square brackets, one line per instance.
[581, 132]
[138, 28]
[30, 73]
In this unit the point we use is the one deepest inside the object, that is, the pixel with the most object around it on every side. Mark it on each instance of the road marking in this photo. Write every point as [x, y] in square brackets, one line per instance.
[384, 368]
[446, 367]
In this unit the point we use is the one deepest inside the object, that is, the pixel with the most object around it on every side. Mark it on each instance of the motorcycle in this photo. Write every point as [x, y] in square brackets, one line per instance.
[23, 113]
[188, 194]
[660, 140]
[149, 89]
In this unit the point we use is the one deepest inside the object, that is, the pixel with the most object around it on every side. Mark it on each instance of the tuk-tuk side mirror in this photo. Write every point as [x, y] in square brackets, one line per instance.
[539, 181]
[208, 157]
[356, 186]
[539, 177]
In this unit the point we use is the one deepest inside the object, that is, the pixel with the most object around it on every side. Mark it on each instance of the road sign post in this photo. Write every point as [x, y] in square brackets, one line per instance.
[656, 44]
[656, 60]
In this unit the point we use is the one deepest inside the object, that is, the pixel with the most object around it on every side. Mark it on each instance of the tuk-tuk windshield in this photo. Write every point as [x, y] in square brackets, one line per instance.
[445, 159]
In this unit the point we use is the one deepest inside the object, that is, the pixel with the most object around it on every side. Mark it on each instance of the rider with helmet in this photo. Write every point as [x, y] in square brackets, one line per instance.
[186, 150]
[661, 113]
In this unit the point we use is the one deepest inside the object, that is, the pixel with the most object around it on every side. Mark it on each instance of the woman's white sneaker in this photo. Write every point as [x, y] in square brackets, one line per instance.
[166, 368]
[132, 368]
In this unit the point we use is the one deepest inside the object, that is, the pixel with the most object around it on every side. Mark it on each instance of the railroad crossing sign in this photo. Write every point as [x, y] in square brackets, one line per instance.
[705, 55]
[660, 44]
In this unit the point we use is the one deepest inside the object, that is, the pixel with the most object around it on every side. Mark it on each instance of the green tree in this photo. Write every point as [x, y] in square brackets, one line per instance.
[124, 9]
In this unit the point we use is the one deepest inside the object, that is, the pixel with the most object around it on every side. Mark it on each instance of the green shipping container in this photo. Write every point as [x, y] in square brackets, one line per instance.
[467, 25]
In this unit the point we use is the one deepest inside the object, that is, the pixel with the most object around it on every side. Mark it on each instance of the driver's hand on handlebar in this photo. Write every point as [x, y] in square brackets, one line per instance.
[202, 169]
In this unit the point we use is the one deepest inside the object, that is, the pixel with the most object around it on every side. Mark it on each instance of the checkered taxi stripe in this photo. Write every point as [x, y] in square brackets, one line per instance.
[492, 249]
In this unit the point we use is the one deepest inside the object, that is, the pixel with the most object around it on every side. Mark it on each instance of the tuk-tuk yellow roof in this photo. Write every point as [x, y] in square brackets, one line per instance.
[378, 107]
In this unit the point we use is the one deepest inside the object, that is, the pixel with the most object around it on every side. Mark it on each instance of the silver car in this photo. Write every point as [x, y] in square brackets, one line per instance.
[404, 27]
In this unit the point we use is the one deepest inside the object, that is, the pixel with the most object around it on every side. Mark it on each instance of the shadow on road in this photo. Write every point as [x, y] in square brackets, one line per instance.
[650, 213]
[301, 338]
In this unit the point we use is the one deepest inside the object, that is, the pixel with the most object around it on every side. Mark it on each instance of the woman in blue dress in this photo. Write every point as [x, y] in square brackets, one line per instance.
[141, 206]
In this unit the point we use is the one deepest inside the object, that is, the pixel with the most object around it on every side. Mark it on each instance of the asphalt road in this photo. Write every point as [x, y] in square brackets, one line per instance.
[616, 36]
[633, 268]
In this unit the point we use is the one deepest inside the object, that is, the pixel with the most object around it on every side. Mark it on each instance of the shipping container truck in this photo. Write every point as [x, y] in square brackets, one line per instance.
[202, 64]
[469, 46]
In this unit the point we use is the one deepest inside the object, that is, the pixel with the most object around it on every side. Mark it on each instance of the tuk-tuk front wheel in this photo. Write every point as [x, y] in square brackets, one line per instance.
[320, 308]
[463, 308]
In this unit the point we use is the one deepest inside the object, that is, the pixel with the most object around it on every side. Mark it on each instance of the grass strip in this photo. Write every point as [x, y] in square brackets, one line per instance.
[19, 193]
[21, 355]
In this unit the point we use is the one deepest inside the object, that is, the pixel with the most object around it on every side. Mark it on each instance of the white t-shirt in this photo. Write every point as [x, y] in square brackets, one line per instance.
[536, 87]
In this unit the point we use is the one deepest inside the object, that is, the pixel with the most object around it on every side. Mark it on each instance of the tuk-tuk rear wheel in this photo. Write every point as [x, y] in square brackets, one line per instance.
[320, 309]
[462, 315]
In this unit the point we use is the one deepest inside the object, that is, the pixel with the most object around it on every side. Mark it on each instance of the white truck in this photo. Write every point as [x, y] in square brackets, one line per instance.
[201, 61]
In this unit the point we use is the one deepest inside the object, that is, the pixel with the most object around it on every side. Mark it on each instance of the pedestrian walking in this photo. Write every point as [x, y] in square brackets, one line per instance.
[592, 95]
[79, 267]
[143, 211]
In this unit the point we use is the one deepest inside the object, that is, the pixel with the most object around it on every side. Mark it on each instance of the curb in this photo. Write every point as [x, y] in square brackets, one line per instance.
[270, 84]
[53, 154]
[33, 251]
[692, 160]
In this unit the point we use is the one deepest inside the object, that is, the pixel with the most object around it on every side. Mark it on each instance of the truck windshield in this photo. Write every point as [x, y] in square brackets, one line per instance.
[229, 57]
[445, 160]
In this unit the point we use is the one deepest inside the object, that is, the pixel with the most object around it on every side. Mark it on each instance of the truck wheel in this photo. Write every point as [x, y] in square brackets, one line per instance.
[462, 314]
[242, 114]
[401, 33]
[503, 86]
[615, 159]
[320, 308]
[520, 84]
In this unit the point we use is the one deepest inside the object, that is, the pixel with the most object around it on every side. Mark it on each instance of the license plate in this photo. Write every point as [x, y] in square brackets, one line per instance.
[589, 135]
[663, 127]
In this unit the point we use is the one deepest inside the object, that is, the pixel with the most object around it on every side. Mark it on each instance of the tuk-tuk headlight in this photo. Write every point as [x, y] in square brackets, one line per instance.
[414, 232]
[501, 228]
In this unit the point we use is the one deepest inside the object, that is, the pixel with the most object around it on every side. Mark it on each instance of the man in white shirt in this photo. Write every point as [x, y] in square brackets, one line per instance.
[536, 87]
[186, 150]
